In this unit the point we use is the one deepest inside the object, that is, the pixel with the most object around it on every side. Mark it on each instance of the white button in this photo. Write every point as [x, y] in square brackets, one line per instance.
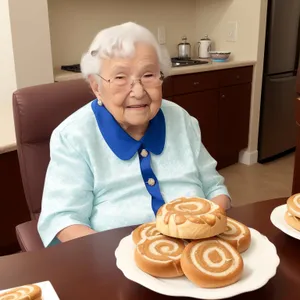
[151, 181]
[144, 153]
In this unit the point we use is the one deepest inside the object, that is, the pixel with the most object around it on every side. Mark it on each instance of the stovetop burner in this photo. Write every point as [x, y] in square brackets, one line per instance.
[72, 68]
[179, 62]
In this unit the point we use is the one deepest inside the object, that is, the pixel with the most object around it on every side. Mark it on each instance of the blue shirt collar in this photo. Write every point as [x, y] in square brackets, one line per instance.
[121, 143]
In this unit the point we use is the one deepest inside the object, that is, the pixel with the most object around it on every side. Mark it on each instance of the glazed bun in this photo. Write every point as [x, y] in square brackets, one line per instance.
[191, 219]
[144, 231]
[212, 263]
[293, 221]
[160, 256]
[31, 291]
[293, 205]
[237, 234]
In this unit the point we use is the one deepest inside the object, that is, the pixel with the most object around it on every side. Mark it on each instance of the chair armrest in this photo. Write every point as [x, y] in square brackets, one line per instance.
[28, 236]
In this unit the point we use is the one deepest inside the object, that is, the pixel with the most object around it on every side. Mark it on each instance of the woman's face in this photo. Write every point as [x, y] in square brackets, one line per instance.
[132, 105]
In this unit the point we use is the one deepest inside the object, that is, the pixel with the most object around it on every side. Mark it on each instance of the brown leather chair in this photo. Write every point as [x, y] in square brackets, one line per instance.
[37, 111]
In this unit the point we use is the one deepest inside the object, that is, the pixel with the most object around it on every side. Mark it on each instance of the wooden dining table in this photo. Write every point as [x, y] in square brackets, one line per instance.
[85, 268]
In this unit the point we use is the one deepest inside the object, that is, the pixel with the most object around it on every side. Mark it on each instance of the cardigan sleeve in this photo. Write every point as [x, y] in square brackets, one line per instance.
[68, 190]
[212, 181]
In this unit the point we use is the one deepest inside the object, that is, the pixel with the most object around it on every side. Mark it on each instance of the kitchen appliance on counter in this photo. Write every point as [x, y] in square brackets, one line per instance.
[184, 49]
[72, 68]
[277, 132]
[179, 62]
[204, 47]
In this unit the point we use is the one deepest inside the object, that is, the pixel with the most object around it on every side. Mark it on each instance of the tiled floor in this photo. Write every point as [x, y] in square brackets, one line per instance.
[259, 182]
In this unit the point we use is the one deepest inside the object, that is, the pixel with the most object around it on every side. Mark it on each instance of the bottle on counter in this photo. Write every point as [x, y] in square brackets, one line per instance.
[204, 47]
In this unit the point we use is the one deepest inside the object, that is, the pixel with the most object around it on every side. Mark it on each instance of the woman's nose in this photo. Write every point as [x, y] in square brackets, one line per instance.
[137, 90]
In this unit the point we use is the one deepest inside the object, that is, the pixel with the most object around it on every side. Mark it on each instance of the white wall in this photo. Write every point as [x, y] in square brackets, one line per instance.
[74, 23]
[257, 80]
[31, 42]
[7, 74]
[212, 18]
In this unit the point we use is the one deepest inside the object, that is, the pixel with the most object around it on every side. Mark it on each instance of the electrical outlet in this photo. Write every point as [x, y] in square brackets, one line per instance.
[161, 35]
[232, 31]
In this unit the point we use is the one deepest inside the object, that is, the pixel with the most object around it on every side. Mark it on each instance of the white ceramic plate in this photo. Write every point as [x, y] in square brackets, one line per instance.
[48, 292]
[260, 261]
[277, 218]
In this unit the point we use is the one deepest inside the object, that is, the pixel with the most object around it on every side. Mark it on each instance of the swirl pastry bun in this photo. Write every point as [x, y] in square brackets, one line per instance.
[144, 231]
[25, 292]
[191, 218]
[293, 205]
[291, 220]
[237, 234]
[212, 263]
[160, 256]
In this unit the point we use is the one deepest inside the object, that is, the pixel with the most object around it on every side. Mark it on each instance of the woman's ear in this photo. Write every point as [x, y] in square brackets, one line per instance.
[94, 83]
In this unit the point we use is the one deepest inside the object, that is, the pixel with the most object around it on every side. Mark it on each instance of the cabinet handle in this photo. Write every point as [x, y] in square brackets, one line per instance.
[238, 77]
[196, 82]
[223, 96]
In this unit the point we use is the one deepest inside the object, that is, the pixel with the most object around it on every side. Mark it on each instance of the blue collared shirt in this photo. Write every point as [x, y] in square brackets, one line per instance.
[125, 147]
[101, 177]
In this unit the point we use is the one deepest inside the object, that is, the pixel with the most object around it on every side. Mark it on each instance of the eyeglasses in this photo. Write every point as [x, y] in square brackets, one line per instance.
[148, 80]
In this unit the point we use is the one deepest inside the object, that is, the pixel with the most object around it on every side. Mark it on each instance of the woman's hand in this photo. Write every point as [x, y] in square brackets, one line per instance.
[223, 201]
[73, 232]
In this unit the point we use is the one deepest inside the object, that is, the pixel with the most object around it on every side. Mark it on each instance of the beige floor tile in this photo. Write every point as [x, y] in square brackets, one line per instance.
[248, 184]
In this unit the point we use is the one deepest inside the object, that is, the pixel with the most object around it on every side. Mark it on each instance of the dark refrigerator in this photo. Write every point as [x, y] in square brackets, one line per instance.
[277, 131]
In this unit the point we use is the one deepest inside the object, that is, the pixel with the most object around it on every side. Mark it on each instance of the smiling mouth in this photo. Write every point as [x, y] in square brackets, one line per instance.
[137, 106]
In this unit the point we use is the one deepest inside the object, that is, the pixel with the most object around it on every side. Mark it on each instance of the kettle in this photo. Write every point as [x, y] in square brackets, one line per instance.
[184, 49]
[204, 47]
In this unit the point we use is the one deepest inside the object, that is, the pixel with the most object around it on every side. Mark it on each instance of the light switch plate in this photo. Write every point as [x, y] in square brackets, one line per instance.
[161, 35]
[231, 32]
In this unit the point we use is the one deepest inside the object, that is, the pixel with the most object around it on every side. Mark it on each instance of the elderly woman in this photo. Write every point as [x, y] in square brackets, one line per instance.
[115, 161]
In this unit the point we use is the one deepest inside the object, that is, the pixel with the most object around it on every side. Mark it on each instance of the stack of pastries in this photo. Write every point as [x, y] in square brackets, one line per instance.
[192, 237]
[292, 215]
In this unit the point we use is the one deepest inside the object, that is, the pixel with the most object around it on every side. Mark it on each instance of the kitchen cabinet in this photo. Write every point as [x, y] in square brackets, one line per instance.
[13, 204]
[189, 83]
[234, 117]
[204, 107]
[235, 76]
[220, 101]
[167, 88]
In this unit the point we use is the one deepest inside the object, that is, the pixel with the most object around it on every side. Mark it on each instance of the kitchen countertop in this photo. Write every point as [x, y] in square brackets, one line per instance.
[62, 75]
[7, 130]
[211, 66]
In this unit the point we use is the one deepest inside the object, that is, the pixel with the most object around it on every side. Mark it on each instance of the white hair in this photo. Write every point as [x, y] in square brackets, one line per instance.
[119, 41]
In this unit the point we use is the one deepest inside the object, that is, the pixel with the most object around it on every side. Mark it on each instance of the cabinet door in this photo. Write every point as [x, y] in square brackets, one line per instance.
[167, 88]
[234, 115]
[204, 107]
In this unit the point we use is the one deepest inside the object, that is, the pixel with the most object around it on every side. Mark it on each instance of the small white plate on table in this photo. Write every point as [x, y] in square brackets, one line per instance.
[48, 292]
[260, 265]
[277, 218]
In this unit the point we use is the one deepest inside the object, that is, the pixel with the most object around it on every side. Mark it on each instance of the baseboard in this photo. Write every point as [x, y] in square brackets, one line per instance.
[247, 157]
